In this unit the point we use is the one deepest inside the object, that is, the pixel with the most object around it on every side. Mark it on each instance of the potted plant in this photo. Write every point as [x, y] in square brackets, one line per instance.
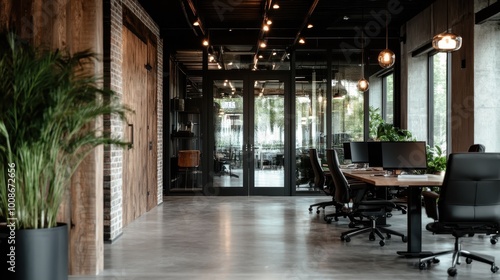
[49, 105]
[436, 160]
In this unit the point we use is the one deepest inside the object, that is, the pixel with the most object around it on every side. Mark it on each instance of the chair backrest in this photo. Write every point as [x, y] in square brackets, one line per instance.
[471, 188]
[477, 148]
[188, 158]
[342, 188]
[319, 175]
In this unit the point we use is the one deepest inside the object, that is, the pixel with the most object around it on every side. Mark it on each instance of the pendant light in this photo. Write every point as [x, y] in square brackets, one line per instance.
[386, 58]
[363, 84]
[447, 41]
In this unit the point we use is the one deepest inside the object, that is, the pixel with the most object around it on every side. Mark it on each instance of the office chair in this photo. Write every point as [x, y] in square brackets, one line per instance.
[355, 192]
[320, 182]
[469, 203]
[477, 148]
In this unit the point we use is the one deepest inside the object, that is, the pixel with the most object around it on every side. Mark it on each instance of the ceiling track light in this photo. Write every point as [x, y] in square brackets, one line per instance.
[447, 41]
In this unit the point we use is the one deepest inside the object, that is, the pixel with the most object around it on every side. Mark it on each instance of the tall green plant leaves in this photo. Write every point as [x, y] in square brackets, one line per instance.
[48, 111]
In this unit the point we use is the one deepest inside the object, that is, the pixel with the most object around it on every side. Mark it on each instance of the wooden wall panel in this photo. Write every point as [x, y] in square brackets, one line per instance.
[462, 87]
[135, 160]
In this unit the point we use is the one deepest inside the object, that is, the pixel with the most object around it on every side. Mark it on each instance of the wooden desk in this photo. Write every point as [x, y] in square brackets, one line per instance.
[414, 211]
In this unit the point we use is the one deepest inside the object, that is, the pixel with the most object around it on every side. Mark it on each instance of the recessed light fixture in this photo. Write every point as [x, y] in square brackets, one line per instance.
[310, 26]
[263, 44]
[205, 42]
[346, 18]
[276, 6]
[269, 22]
[302, 41]
[196, 23]
[265, 27]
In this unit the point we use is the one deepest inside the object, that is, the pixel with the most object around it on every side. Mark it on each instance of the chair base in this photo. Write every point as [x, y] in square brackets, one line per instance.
[374, 229]
[322, 205]
[457, 253]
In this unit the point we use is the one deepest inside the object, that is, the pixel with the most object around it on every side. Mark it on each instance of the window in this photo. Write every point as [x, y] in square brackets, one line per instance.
[438, 100]
[388, 98]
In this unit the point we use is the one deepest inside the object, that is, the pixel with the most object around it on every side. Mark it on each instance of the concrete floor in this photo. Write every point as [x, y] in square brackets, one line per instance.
[271, 238]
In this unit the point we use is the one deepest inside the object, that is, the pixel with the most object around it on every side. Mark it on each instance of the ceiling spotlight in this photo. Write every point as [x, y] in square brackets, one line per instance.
[302, 41]
[196, 23]
[260, 56]
[346, 18]
[310, 26]
[274, 53]
[269, 22]
[276, 6]
[263, 44]
[205, 42]
[266, 27]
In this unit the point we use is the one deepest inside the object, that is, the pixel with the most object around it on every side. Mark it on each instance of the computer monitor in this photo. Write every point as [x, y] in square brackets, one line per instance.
[374, 154]
[404, 155]
[347, 150]
[359, 152]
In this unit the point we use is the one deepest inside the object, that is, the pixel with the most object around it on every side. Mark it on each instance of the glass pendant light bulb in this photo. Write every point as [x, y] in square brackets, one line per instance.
[386, 58]
[363, 85]
[447, 42]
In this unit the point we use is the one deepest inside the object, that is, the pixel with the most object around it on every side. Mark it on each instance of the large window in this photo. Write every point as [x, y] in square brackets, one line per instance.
[388, 97]
[438, 100]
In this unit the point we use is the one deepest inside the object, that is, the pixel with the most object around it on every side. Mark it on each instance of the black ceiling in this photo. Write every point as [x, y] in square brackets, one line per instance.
[236, 25]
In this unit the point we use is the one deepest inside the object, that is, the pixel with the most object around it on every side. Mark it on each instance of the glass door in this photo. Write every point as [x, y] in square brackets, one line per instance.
[249, 135]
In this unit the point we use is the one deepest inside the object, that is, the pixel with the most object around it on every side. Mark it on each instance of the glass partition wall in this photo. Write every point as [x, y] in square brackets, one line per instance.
[328, 110]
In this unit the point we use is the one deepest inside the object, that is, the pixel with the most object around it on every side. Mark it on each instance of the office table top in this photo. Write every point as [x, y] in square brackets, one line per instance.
[377, 180]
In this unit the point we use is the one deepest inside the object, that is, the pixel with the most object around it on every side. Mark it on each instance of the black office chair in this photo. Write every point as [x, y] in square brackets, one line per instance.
[320, 182]
[469, 203]
[355, 192]
[477, 148]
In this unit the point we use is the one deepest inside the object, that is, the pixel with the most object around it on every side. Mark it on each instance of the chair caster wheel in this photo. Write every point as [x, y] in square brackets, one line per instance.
[403, 211]
[434, 260]
[310, 209]
[404, 239]
[421, 265]
[468, 260]
[372, 237]
[352, 225]
[345, 238]
[388, 215]
[328, 221]
[494, 268]
[382, 243]
[317, 211]
[493, 240]
[388, 236]
[452, 271]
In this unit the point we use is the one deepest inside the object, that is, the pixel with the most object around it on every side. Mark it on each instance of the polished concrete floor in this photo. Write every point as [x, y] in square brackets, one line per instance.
[264, 238]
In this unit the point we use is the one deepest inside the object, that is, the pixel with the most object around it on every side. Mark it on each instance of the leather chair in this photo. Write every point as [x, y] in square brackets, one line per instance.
[354, 192]
[477, 148]
[321, 182]
[469, 203]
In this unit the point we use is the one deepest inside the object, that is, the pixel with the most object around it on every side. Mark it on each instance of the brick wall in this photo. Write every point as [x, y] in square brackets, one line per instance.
[113, 156]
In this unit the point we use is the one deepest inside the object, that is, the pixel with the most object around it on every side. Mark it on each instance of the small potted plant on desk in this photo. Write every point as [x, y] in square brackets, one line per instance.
[48, 112]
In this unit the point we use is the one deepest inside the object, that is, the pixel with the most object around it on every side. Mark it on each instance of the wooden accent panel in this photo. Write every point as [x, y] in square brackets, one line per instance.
[135, 160]
[152, 87]
[419, 30]
[462, 87]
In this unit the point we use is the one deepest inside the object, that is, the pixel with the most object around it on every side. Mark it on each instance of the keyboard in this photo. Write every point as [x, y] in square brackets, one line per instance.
[413, 177]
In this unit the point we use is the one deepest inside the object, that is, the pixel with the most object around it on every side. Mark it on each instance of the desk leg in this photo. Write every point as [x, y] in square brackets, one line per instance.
[414, 245]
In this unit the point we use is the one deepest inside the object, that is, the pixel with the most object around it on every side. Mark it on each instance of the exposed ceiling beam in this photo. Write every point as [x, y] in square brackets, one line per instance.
[490, 13]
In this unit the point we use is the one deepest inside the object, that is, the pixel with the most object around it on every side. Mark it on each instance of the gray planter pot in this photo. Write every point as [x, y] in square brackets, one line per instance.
[39, 254]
